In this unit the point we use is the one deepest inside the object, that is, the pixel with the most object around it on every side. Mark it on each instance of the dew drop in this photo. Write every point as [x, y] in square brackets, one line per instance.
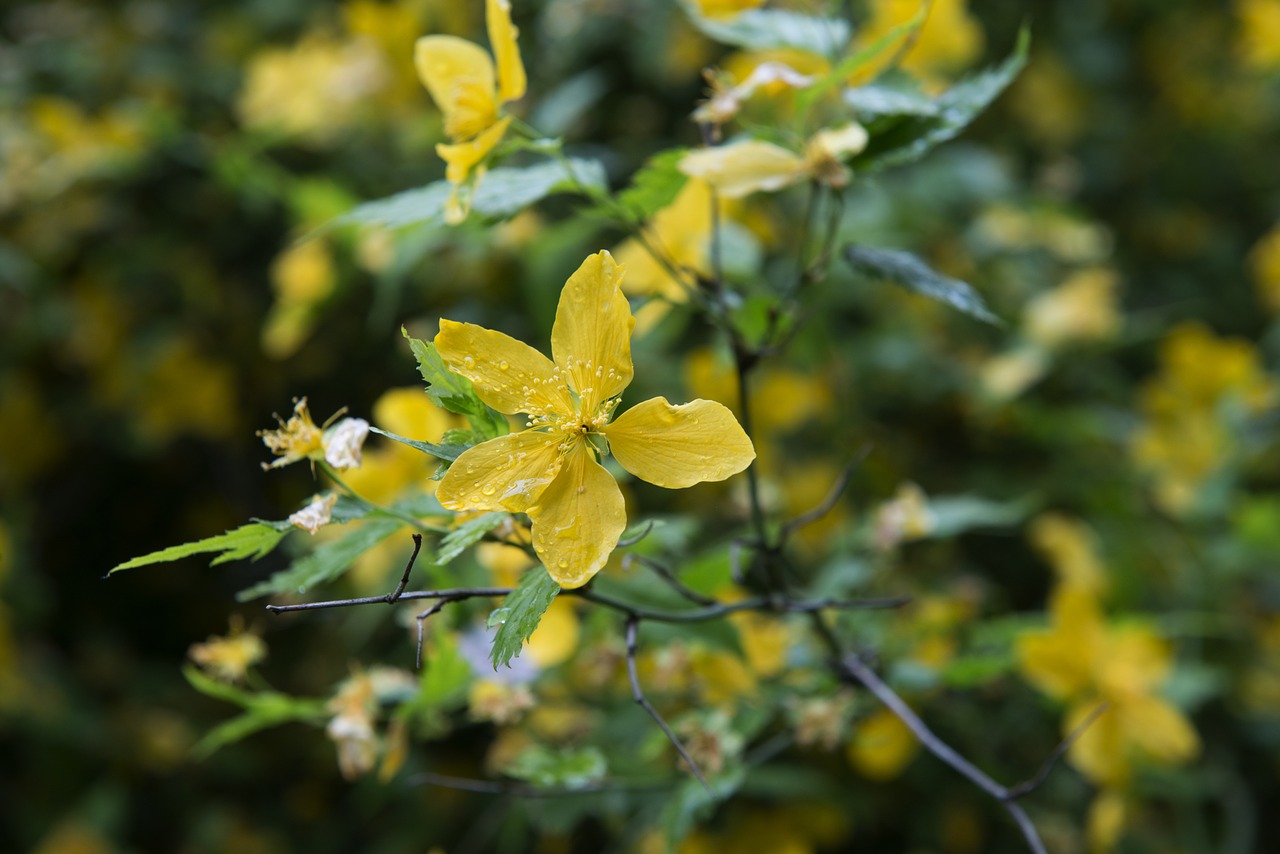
[497, 618]
[489, 489]
[502, 366]
[562, 563]
[468, 362]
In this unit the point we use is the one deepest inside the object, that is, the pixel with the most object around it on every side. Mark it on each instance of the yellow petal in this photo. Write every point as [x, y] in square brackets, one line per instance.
[462, 158]
[507, 473]
[502, 36]
[678, 446]
[742, 168]
[1099, 753]
[1160, 730]
[460, 77]
[509, 375]
[591, 337]
[578, 519]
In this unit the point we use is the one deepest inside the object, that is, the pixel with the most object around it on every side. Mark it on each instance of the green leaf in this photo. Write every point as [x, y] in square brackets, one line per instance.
[467, 534]
[859, 59]
[970, 671]
[446, 675]
[955, 514]
[566, 767]
[655, 185]
[452, 392]
[448, 453]
[248, 541]
[263, 709]
[917, 131]
[691, 802]
[764, 29]
[326, 563]
[501, 193]
[520, 614]
[908, 271]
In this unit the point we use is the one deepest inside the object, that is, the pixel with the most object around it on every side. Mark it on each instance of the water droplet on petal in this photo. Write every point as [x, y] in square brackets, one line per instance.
[502, 366]
[489, 489]
[468, 362]
[562, 563]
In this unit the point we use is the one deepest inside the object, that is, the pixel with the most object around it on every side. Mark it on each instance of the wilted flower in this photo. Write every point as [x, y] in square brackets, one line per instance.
[315, 515]
[229, 658]
[748, 166]
[300, 439]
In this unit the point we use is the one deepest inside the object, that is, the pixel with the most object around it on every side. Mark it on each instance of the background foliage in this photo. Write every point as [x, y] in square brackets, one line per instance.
[1118, 208]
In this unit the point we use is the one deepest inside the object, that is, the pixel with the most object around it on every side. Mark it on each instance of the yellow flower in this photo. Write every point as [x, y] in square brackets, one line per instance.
[948, 40]
[1081, 308]
[882, 746]
[550, 470]
[1086, 662]
[1258, 41]
[1070, 546]
[1264, 261]
[229, 658]
[751, 165]
[469, 91]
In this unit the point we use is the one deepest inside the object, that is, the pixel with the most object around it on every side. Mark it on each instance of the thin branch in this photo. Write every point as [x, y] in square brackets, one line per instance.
[404, 579]
[663, 572]
[524, 790]
[854, 667]
[829, 502]
[1027, 787]
[637, 694]
[422, 620]
[631, 541]
[455, 593]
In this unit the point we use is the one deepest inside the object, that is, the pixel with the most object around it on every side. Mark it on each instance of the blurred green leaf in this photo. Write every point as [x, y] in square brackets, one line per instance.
[859, 59]
[445, 676]
[501, 193]
[910, 272]
[655, 184]
[453, 392]
[520, 614]
[917, 130]
[692, 802]
[263, 709]
[467, 534]
[326, 563]
[248, 541]
[969, 671]
[955, 514]
[571, 768]
[764, 29]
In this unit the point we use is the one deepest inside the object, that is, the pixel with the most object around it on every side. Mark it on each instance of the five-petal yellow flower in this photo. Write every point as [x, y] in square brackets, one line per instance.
[469, 90]
[551, 470]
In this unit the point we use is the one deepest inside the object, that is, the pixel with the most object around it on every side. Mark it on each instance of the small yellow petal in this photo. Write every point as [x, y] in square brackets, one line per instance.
[678, 446]
[507, 473]
[591, 337]
[742, 168]
[460, 77]
[502, 36]
[1099, 753]
[1160, 730]
[509, 375]
[578, 520]
[462, 158]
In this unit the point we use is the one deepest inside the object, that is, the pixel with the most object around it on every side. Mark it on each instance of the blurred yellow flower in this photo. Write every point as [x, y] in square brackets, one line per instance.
[1189, 409]
[550, 469]
[1085, 662]
[1264, 262]
[725, 8]
[469, 91]
[903, 518]
[1083, 308]
[882, 746]
[1258, 39]
[749, 166]
[229, 658]
[949, 40]
[1070, 546]
[302, 277]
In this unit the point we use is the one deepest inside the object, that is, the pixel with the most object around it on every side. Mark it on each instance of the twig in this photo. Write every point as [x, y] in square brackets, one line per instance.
[631, 541]
[854, 667]
[404, 579]
[677, 585]
[422, 619]
[455, 593]
[524, 790]
[637, 694]
[1028, 786]
[828, 503]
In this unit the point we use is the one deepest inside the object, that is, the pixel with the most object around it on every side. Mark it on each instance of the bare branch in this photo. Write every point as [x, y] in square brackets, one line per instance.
[455, 593]
[829, 502]
[422, 619]
[663, 572]
[637, 694]
[1027, 787]
[631, 541]
[404, 579]
[524, 790]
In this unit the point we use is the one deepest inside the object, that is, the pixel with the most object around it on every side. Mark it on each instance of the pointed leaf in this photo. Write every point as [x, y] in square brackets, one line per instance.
[562, 767]
[449, 453]
[326, 563]
[451, 392]
[655, 185]
[467, 534]
[908, 271]
[522, 610]
[916, 132]
[248, 541]
[764, 29]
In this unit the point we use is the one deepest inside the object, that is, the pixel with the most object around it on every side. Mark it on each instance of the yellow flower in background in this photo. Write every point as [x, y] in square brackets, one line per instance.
[1191, 407]
[1264, 263]
[882, 746]
[302, 276]
[551, 470]
[725, 8]
[749, 166]
[1085, 662]
[903, 518]
[229, 658]
[469, 86]
[1083, 308]
[1071, 548]
[949, 40]
[1258, 40]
